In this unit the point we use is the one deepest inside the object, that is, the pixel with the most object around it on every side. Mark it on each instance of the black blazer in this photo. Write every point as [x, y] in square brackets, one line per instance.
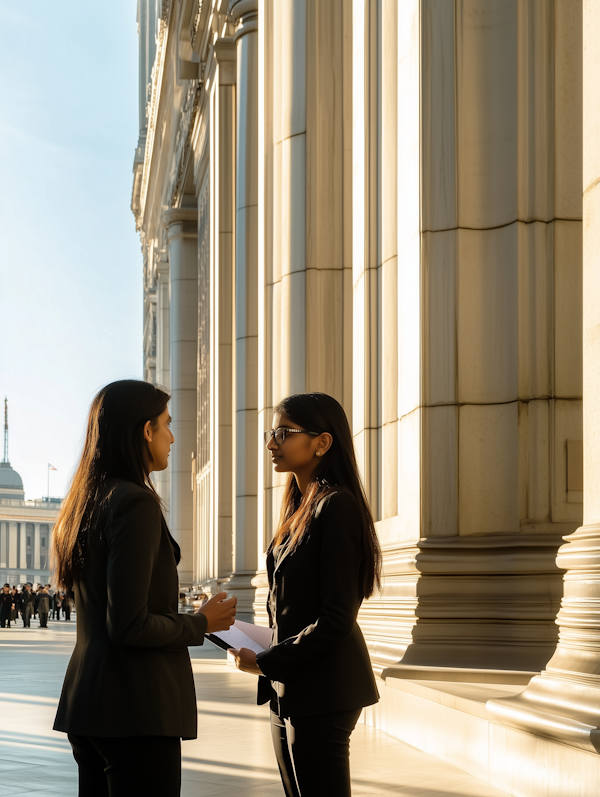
[321, 664]
[130, 673]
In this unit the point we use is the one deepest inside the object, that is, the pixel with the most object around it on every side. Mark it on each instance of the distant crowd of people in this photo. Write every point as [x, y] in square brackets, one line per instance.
[27, 603]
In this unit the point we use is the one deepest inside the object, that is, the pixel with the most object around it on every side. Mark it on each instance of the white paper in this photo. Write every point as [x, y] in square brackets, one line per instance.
[259, 633]
[238, 636]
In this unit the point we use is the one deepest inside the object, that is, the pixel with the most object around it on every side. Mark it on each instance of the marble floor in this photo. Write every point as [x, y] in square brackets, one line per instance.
[232, 756]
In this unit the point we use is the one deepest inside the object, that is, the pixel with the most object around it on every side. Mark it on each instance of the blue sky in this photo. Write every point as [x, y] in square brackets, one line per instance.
[70, 260]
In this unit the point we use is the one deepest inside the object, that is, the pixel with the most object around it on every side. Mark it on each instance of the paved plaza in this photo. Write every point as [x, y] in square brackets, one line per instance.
[232, 756]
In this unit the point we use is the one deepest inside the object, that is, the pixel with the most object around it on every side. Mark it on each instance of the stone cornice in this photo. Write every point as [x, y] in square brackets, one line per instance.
[485, 554]
[241, 8]
[195, 26]
[183, 141]
[157, 78]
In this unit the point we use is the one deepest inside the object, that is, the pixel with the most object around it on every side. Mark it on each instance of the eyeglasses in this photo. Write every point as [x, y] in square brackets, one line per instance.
[280, 433]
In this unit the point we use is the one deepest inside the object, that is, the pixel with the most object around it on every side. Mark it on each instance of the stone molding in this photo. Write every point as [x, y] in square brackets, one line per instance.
[245, 14]
[195, 26]
[472, 602]
[183, 140]
[563, 702]
[152, 110]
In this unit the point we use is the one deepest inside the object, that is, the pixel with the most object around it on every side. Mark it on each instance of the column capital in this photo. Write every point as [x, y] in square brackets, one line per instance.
[186, 217]
[245, 14]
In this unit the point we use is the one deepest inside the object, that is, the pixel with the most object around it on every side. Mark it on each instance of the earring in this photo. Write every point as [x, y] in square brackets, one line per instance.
[318, 453]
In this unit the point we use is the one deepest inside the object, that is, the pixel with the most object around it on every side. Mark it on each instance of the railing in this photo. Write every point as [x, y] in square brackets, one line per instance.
[38, 503]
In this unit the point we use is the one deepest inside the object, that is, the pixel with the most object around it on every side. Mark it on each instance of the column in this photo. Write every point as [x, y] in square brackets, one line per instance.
[13, 536]
[36, 546]
[563, 702]
[182, 237]
[488, 296]
[223, 282]
[305, 215]
[22, 546]
[245, 13]
[161, 479]
[3, 543]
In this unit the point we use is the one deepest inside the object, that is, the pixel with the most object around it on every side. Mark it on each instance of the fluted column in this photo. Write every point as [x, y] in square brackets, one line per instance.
[182, 236]
[245, 12]
[3, 544]
[563, 702]
[23, 546]
[161, 478]
[36, 545]
[13, 533]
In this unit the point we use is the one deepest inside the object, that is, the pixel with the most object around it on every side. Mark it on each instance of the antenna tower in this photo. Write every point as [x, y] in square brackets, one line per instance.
[5, 430]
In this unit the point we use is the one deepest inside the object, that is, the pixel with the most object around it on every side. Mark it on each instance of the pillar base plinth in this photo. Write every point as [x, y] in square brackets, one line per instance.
[563, 702]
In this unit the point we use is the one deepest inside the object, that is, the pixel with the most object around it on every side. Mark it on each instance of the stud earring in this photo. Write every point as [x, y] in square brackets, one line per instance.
[318, 453]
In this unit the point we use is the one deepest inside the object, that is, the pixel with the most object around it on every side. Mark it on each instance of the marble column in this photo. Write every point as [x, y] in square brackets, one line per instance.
[3, 544]
[486, 367]
[161, 479]
[182, 237]
[305, 219]
[245, 13]
[224, 265]
[12, 541]
[22, 555]
[563, 702]
[36, 545]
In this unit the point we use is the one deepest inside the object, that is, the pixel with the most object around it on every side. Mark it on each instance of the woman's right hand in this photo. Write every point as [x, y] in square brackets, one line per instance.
[219, 613]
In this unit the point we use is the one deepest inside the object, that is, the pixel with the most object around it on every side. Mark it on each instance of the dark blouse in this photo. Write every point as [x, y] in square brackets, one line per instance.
[319, 661]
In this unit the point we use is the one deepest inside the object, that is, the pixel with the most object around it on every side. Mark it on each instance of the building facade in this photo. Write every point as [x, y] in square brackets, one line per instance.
[25, 527]
[390, 202]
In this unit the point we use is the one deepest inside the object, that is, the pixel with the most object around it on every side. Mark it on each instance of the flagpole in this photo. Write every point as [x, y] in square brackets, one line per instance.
[48, 496]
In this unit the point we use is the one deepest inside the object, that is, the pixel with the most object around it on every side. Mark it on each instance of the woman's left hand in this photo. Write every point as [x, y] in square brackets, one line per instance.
[245, 660]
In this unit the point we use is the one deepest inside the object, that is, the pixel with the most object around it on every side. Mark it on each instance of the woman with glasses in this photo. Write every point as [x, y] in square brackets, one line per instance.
[323, 561]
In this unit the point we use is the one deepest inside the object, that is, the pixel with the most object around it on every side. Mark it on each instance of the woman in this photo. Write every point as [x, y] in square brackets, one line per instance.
[16, 605]
[128, 696]
[322, 562]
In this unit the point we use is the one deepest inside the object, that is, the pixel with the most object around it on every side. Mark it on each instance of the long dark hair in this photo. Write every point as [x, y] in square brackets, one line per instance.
[319, 412]
[114, 446]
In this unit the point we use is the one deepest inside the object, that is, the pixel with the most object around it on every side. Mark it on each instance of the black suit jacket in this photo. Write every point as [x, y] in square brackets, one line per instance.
[130, 673]
[321, 664]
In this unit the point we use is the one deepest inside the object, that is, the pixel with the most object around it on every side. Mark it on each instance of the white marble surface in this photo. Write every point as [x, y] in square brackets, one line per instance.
[232, 755]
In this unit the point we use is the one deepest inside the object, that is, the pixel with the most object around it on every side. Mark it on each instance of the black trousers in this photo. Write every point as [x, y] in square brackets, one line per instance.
[128, 765]
[43, 619]
[313, 753]
[4, 617]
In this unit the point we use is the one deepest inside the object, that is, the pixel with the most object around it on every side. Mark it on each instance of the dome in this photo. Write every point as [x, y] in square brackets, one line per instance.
[9, 478]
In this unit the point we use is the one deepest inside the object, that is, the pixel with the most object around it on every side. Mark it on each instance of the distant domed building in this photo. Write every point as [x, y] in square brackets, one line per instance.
[11, 484]
[25, 526]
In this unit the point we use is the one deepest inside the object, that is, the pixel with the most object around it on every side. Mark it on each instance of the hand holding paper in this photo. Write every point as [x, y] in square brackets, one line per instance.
[243, 641]
[245, 660]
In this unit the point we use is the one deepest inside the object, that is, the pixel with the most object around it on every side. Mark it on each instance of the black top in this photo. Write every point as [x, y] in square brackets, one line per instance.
[130, 673]
[44, 603]
[27, 598]
[320, 663]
